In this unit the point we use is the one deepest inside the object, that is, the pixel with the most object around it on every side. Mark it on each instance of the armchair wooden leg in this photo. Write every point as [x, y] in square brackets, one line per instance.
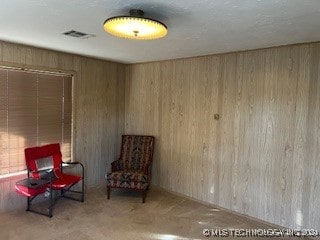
[144, 194]
[108, 192]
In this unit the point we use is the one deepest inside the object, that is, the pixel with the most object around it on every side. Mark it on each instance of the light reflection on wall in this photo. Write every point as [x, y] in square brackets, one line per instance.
[299, 219]
[212, 189]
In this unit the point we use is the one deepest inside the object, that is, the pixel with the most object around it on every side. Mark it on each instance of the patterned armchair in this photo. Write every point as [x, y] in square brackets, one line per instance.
[133, 168]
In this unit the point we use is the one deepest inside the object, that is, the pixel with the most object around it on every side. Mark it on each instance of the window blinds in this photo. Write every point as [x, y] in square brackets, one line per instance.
[35, 109]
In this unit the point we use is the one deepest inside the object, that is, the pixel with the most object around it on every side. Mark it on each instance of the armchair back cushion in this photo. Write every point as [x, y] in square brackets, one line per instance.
[136, 152]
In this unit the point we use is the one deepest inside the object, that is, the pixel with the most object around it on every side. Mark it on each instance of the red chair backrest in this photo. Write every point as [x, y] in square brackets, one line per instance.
[34, 153]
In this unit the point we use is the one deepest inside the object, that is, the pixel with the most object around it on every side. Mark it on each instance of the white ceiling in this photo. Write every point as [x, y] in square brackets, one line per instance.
[196, 27]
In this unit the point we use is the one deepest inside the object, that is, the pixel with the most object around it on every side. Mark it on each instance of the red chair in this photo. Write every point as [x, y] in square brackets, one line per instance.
[45, 173]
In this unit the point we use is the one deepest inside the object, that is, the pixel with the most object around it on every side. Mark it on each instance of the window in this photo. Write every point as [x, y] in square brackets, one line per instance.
[35, 109]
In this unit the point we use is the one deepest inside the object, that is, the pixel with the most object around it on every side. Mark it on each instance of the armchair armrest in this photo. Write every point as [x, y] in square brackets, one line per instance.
[146, 169]
[116, 166]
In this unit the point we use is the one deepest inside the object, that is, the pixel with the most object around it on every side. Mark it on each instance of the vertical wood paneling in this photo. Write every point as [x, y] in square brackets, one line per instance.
[98, 108]
[261, 157]
[312, 168]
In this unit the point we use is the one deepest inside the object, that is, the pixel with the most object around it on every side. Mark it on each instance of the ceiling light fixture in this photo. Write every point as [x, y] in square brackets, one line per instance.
[135, 26]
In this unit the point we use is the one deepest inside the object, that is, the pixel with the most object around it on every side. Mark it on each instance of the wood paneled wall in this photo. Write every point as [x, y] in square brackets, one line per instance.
[262, 157]
[98, 108]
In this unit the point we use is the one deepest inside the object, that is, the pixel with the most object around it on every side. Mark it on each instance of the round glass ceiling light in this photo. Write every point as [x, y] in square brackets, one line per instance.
[135, 26]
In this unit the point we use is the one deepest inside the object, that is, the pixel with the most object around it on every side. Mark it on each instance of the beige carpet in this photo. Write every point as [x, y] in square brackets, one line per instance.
[163, 216]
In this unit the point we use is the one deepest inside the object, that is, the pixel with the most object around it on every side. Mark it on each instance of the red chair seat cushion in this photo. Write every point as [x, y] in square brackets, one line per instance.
[125, 179]
[64, 180]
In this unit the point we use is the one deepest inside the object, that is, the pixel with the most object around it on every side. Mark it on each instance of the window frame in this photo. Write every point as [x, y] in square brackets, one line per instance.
[52, 71]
